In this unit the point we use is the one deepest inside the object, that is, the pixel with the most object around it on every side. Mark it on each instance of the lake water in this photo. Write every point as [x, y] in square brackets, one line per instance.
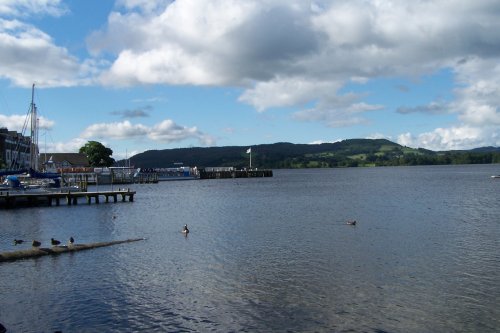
[268, 254]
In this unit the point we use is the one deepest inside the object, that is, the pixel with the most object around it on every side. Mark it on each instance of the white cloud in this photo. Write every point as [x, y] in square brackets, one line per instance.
[462, 137]
[282, 92]
[17, 122]
[407, 139]
[166, 131]
[29, 55]
[117, 130]
[318, 142]
[379, 136]
[289, 53]
[332, 109]
[338, 111]
[70, 146]
[32, 7]
[146, 6]
[212, 43]
[476, 103]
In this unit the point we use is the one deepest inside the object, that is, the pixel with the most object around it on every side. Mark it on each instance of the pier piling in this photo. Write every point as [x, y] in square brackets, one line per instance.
[18, 199]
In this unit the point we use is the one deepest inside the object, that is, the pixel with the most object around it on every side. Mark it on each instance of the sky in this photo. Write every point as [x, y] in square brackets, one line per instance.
[139, 75]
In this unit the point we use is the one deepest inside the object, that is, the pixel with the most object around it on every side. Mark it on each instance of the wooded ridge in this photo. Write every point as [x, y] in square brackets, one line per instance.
[346, 153]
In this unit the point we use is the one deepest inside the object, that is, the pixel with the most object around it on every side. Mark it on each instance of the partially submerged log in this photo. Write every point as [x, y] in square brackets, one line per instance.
[38, 252]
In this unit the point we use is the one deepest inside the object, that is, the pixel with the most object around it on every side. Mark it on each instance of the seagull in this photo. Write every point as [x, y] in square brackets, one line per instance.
[54, 242]
[36, 243]
[71, 240]
[18, 241]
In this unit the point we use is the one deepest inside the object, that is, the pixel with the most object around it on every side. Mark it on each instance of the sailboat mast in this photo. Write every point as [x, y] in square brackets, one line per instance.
[34, 133]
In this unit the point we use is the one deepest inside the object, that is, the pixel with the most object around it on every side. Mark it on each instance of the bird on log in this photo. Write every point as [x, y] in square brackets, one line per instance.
[54, 242]
[43, 251]
[36, 243]
[71, 241]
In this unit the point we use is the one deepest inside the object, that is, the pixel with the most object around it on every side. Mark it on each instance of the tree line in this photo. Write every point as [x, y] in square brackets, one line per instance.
[347, 153]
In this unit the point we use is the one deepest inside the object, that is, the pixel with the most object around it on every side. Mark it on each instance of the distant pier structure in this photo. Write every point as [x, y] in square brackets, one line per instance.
[221, 173]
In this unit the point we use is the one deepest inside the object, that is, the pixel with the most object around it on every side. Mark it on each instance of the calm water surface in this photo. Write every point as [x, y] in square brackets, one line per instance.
[270, 254]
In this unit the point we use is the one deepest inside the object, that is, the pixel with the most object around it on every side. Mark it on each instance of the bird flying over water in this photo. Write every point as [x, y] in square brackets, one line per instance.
[54, 242]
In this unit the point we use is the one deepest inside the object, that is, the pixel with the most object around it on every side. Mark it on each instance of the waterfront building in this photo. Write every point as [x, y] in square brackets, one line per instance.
[66, 162]
[15, 149]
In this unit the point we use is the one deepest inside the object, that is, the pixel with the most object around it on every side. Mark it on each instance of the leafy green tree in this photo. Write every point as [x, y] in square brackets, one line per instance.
[98, 155]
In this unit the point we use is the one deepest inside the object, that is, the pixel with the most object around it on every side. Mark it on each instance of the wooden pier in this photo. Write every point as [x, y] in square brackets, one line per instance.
[220, 174]
[18, 199]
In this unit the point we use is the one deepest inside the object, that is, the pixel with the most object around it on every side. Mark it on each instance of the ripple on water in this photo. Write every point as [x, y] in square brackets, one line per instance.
[269, 255]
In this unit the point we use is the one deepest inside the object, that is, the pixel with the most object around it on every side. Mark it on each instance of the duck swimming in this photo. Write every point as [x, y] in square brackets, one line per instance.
[351, 222]
[36, 243]
[18, 241]
[54, 242]
[185, 229]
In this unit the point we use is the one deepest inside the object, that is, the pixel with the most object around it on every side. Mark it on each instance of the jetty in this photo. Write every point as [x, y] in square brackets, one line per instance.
[38, 252]
[12, 199]
[220, 173]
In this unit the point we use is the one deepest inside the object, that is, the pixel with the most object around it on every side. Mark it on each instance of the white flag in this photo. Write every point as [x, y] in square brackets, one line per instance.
[249, 150]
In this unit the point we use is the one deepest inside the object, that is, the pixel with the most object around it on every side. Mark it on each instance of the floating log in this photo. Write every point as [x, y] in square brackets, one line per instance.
[38, 252]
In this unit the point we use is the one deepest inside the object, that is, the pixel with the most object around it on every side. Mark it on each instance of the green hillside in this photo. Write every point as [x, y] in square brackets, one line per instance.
[347, 153]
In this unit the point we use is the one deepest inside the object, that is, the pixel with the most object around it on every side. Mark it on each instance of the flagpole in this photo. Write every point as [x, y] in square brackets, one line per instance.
[249, 151]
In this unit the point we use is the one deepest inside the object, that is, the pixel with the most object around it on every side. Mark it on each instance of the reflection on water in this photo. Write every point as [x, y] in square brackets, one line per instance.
[270, 254]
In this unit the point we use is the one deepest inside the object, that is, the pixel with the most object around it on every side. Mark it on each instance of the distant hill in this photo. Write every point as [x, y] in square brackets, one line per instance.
[486, 150]
[347, 153]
